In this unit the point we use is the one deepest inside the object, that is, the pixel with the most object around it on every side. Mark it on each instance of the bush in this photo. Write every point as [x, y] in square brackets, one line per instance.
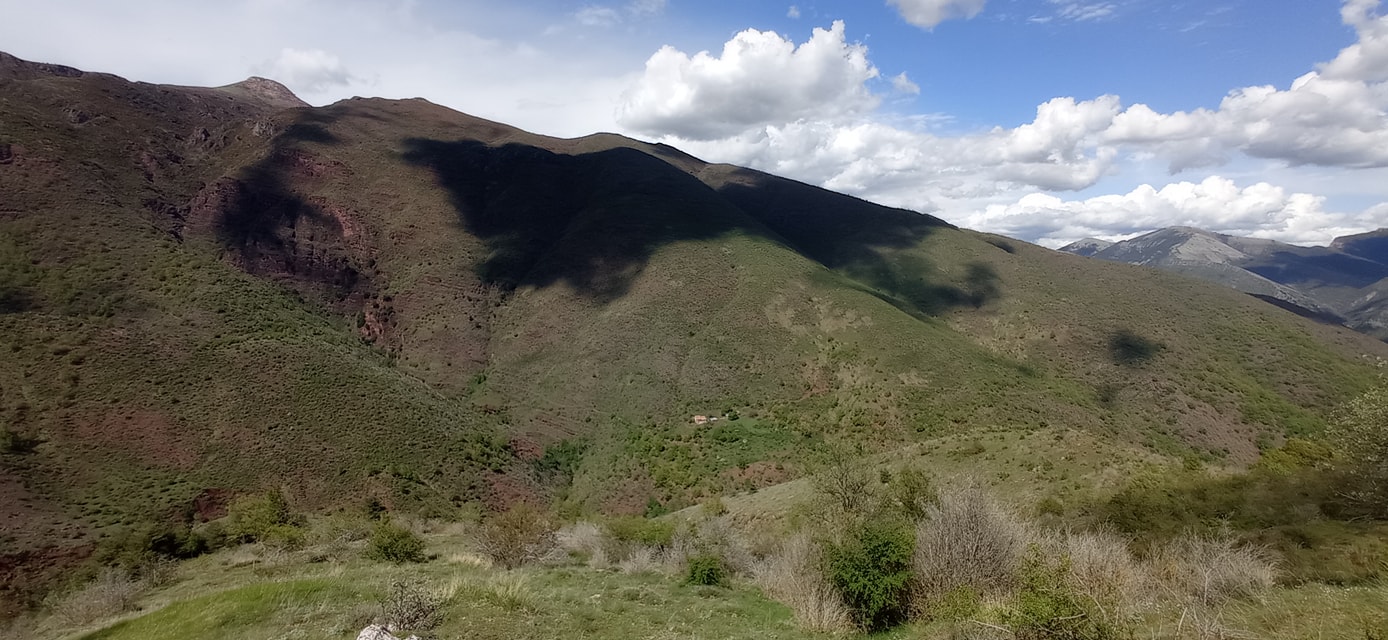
[643, 531]
[1104, 571]
[872, 571]
[706, 571]
[1211, 570]
[515, 537]
[112, 593]
[1047, 609]
[408, 605]
[910, 494]
[390, 542]
[1361, 435]
[966, 541]
[251, 518]
[794, 576]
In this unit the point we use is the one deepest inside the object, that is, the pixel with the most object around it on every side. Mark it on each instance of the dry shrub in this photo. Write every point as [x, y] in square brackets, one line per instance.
[967, 541]
[794, 576]
[516, 537]
[718, 537]
[1103, 570]
[641, 559]
[1208, 570]
[410, 605]
[584, 539]
[112, 593]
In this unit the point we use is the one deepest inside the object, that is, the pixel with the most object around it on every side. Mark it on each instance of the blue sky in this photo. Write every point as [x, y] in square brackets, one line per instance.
[1047, 120]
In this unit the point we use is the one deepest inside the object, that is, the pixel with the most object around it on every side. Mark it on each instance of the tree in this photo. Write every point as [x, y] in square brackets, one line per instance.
[1361, 435]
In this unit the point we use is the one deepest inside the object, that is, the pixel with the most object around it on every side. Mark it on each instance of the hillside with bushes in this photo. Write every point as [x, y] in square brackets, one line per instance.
[212, 295]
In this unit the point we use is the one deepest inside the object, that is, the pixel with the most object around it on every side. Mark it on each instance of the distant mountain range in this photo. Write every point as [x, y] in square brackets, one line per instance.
[1345, 283]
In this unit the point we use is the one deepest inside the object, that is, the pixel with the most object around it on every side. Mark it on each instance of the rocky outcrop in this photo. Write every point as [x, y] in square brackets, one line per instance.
[380, 632]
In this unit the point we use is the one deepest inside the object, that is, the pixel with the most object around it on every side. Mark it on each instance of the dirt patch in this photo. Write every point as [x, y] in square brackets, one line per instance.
[151, 437]
[27, 575]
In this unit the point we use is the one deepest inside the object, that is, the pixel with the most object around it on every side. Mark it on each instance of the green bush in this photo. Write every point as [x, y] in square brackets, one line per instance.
[872, 569]
[390, 542]
[706, 571]
[1046, 608]
[651, 533]
[252, 518]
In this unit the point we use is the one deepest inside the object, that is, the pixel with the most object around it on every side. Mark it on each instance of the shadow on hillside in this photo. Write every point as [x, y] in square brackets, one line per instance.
[592, 221]
[259, 213]
[857, 239]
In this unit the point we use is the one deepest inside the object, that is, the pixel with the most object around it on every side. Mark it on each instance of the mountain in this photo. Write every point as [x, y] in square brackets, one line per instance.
[1086, 247]
[1341, 283]
[211, 291]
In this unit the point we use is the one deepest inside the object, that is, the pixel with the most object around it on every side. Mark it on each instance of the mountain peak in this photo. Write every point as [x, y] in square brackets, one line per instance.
[268, 90]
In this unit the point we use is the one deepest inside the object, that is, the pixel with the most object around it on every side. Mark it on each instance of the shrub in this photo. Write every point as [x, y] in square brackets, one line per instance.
[794, 576]
[706, 571]
[112, 593]
[1046, 608]
[408, 605]
[1211, 570]
[910, 494]
[586, 540]
[515, 537]
[966, 541]
[390, 542]
[714, 506]
[251, 518]
[1104, 571]
[872, 571]
[1361, 435]
[644, 531]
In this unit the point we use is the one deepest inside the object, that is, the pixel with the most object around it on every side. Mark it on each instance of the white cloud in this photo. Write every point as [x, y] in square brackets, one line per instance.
[642, 8]
[311, 71]
[759, 79]
[903, 84]
[594, 16]
[929, 13]
[793, 12]
[1259, 210]
[1084, 11]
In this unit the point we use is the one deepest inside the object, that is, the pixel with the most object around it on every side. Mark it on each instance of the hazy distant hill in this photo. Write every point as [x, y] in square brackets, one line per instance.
[1339, 283]
[210, 291]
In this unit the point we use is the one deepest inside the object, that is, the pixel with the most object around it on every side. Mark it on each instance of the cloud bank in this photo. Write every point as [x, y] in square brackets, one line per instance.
[812, 112]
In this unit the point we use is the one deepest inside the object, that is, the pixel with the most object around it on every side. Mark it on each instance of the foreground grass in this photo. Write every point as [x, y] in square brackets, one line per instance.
[241, 594]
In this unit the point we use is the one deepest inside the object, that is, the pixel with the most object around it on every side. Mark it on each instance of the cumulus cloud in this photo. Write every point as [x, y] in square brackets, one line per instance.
[759, 79]
[903, 84]
[310, 70]
[793, 12]
[1258, 210]
[929, 13]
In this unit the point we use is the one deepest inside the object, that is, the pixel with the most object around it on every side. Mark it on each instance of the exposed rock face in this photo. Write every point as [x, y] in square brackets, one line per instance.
[379, 632]
[270, 91]
[1086, 247]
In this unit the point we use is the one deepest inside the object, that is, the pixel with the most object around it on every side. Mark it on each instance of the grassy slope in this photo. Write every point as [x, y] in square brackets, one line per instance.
[313, 295]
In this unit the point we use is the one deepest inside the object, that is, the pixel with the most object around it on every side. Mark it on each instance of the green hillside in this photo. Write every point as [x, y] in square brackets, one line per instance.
[208, 292]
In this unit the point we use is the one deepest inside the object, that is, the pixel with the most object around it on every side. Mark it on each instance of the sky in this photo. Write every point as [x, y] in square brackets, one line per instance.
[1044, 120]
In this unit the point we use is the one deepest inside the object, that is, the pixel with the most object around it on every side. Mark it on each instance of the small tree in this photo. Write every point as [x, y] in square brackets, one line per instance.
[1361, 435]
[518, 536]
[844, 481]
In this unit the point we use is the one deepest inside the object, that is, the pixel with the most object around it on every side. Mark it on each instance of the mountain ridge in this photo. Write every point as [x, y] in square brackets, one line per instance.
[1336, 283]
[206, 293]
